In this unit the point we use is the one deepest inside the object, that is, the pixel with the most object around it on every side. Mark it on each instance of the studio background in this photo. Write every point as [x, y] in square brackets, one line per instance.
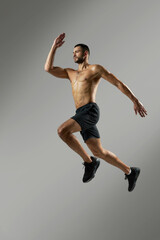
[42, 193]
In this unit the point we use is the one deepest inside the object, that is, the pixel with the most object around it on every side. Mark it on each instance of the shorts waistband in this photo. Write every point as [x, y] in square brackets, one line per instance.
[90, 103]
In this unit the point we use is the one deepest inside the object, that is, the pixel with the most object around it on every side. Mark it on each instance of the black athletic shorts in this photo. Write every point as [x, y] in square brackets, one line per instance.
[87, 116]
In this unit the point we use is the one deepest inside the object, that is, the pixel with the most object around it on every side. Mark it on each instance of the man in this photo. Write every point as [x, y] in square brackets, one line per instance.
[84, 82]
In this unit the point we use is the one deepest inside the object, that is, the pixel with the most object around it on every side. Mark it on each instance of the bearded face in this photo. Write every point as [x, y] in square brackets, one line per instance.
[78, 55]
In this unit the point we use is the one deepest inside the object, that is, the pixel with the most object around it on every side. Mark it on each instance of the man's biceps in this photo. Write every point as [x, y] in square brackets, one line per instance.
[61, 71]
[107, 76]
[58, 72]
[104, 73]
[58, 69]
[66, 72]
[111, 78]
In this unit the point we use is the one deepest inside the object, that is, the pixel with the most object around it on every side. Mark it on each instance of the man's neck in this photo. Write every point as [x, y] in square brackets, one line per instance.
[83, 66]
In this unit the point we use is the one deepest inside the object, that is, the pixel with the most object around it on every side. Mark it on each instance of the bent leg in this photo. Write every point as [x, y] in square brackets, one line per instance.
[65, 132]
[94, 144]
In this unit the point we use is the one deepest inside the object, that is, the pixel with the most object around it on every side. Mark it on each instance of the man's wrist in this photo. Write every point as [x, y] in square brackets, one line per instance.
[54, 47]
[134, 99]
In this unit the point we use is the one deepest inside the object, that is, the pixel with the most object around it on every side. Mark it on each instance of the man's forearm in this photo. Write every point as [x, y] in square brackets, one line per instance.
[121, 86]
[124, 89]
[138, 107]
[50, 58]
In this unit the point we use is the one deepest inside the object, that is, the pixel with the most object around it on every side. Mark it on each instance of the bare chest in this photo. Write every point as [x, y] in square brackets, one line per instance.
[83, 78]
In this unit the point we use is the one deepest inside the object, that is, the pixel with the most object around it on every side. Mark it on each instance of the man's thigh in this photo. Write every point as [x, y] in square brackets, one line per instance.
[70, 126]
[91, 132]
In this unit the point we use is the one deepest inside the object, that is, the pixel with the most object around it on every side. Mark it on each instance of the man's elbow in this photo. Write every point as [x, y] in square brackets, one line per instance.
[46, 68]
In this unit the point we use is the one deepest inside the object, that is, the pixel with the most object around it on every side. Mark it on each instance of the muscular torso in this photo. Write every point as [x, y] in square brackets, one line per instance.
[84, 84]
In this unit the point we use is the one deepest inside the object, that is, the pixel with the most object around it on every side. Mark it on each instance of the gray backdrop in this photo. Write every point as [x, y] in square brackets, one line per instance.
[42, 195]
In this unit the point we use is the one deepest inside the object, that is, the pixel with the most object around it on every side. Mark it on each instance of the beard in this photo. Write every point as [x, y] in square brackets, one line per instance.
[79, 60]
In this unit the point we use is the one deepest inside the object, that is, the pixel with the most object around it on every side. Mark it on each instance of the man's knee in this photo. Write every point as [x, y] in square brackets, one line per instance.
[62, 131]
[68, 127]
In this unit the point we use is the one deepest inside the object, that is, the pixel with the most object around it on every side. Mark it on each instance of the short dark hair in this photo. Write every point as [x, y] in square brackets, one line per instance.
[83, 46]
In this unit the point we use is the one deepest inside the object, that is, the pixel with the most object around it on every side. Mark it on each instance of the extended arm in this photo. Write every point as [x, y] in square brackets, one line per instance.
[138, 107]
[56, 71]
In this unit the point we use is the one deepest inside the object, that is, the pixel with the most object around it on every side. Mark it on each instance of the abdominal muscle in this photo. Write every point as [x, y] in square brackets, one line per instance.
[84, 92]
[84, 85]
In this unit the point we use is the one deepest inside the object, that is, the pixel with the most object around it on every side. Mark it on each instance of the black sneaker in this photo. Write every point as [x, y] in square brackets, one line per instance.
[90, 169]
[132, 178]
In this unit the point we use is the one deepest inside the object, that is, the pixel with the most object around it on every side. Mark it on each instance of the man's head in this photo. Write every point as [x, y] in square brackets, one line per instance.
[81, 53]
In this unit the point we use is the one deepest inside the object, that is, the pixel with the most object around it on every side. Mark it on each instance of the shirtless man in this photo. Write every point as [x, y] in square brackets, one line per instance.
[84, 82]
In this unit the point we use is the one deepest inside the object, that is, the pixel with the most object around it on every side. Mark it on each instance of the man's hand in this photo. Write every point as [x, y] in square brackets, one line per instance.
[58, 42]
[138, 107]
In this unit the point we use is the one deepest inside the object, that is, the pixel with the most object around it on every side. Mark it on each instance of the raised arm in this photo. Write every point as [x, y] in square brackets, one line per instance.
[138, 107]
[56, 71]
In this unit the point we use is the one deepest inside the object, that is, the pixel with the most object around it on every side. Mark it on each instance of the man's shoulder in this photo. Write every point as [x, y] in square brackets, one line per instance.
[97, 67]
[70, 71]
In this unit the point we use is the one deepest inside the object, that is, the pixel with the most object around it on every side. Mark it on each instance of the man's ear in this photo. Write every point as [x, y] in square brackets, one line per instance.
[85, 53]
